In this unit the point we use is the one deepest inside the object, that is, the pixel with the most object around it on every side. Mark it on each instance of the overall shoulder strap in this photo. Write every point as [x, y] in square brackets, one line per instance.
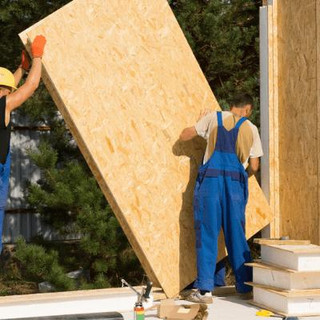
[219, 117]
[240, 122]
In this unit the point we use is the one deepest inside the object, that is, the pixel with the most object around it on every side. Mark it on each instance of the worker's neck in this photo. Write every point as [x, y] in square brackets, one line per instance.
[238, 112]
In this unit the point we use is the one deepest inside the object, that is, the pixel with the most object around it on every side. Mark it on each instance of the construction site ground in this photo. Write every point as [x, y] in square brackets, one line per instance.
[228, 307]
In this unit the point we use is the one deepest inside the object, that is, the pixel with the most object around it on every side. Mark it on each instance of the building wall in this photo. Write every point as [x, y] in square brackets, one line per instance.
[294, 106]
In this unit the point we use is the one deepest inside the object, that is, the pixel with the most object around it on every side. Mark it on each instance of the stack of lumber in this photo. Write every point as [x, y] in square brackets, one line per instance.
[287, 278]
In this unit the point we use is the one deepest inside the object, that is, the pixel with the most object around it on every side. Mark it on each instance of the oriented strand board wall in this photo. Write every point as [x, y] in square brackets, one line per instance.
[318, 104]
[126, 82]
[296, 52]
[273, 123]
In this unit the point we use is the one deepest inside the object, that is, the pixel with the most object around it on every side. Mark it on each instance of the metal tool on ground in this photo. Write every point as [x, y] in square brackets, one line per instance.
[144, 296]
[144, 299]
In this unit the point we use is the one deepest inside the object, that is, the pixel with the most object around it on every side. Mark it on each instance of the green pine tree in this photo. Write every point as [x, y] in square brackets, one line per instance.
[224, 36]
[67, 196]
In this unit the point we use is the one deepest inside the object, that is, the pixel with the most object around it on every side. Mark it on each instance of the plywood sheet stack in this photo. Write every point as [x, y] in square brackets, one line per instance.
[287, 279]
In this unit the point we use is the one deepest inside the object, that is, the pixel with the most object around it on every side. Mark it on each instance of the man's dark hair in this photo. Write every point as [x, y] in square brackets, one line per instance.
[241, 100]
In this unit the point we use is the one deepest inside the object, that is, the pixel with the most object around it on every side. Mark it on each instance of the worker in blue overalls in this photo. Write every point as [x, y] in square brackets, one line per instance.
[10, 99]
[221, 192]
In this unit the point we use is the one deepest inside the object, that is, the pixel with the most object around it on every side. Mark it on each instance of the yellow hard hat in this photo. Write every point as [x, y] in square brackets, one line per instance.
[7, 78]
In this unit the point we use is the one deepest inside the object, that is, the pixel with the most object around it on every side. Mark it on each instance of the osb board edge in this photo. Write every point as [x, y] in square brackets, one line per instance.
[91, 163]
[273, 117]
[317, 13]
[66, 295]
[275, 84]
[312, 249]
[297, 86]
[266, 266]
[286, 293]
[280, 242]
[269, 266]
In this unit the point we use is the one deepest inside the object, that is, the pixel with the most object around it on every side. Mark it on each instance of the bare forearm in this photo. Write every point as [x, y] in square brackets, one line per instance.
[34, 76]
[18, 75]
[253, 166]
[15, 99]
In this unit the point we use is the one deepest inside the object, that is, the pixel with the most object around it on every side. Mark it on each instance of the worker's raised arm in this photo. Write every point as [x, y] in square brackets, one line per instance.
[24, 66]
[18, 75]
[188, 133]
[15, 99]
[199, 129]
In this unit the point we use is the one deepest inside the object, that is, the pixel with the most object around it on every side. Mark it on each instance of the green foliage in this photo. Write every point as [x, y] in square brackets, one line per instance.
[16, 16]
[41, 265]
[223, 35]
[64, 189]
[67, 196]
[69, 199]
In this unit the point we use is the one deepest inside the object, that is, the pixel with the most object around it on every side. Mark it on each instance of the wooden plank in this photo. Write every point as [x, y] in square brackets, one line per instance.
[273, 116]
[272, 142]
[281, 292]
[67, 303]
[276, 265]
[51, 296]
[284, 279]
[318, 106]
[118, 74]
[287, 293]
[302, 305]
[266, 241]
[301, 258]
[297, 249]
[270, 266]
[298, 120]
[275, 162]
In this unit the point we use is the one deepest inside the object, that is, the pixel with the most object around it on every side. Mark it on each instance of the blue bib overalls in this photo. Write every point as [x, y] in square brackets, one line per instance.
[4, 187]
[220, 198]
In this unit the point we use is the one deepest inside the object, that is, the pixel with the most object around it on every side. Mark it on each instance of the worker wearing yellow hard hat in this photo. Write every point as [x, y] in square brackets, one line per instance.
[7, 78]
[12, 97]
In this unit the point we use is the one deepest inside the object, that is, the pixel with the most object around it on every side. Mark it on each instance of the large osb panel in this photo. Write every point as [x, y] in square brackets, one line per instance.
[318, 102]
[273, 123]
[294, 102]
[126, 82]
[298, 119]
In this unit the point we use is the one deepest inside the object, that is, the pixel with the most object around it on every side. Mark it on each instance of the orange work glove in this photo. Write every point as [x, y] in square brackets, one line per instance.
[37, 46]
[25, 63]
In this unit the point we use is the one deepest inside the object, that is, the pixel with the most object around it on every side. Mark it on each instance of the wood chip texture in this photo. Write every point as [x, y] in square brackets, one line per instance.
[126, 82]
